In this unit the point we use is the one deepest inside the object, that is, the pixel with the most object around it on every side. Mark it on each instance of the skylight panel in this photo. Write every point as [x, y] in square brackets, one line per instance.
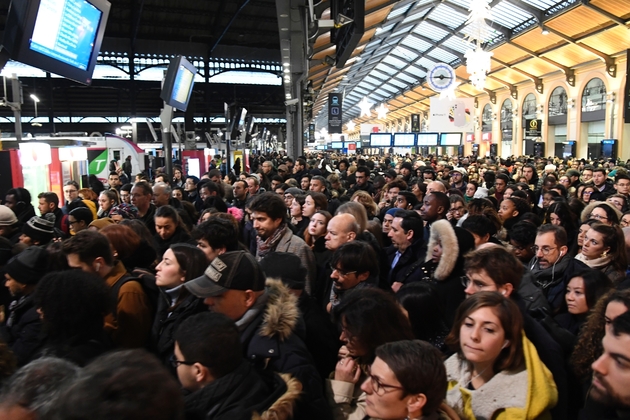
[405, 52]
[394, 62]
[448, 16]
[430, 31]
[442, 55]
[508, 15]
[416, 44]
[386, 69]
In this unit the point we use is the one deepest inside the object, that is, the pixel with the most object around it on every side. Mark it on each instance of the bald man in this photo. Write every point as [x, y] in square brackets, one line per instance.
[342, 229]
[434, 186]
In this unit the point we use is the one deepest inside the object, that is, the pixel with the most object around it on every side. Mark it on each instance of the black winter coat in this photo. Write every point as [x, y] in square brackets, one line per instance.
[22, 330]
[164, 326]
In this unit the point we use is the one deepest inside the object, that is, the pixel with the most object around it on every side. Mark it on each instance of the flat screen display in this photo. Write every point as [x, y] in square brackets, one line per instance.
[450, 139]
[65, 30]
[60, 36]
[337, 145]
[427, 139]
[346, 145]
[321, 147]
[178, 85]
[380, 140]
[404, 139]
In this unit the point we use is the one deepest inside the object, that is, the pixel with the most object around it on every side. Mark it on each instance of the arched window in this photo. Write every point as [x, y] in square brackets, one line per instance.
[506, 121]
[486, 119]
[529, 107]
[594, 96]
[558, 102]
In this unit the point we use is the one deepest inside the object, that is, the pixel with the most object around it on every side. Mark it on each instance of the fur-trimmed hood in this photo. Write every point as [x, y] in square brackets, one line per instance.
[590, 206]
[455, 243]
[282, 408]
[443, 230]
[281, 313]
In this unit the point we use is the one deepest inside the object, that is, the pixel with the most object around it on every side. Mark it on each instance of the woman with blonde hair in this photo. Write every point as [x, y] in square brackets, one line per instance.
[366, 201]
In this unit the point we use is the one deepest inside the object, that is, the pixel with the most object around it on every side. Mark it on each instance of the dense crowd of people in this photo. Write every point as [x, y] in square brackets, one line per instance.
[322, 287]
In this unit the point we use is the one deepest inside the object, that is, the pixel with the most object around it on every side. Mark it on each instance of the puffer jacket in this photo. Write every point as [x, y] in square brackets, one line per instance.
[271, 341]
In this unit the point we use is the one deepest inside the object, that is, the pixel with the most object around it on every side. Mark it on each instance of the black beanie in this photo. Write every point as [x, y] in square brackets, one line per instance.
[286, 267]
[39, 229]
[29, 266]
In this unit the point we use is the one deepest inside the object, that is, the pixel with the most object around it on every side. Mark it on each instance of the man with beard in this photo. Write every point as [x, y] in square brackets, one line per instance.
[354, 266]
[551, 266]
[268, 214]
[611, 374]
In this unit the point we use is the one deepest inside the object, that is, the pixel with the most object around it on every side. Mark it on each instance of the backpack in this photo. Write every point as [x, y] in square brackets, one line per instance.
[146, 280]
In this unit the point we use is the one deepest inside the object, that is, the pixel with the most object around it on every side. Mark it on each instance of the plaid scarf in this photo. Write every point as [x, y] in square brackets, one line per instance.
[268, 245]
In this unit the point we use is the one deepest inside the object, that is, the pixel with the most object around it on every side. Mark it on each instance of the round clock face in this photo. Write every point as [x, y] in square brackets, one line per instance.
[441, 77]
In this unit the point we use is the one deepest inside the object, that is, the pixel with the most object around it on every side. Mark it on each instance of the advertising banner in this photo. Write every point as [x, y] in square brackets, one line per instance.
[452, 115]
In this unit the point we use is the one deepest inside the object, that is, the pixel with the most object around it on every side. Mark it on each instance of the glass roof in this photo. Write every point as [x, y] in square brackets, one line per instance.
[417, 35]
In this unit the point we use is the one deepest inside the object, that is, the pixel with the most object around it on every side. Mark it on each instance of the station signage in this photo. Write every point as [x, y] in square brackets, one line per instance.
[334, 113]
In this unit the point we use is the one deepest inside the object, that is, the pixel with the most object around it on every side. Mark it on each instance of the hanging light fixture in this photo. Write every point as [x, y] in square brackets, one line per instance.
[382, 112]
[477, 60]
[366, 107]
[350, 125]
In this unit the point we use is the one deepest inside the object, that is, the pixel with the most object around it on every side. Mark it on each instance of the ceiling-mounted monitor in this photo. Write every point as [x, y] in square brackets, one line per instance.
[450, 139]
[380, 140]
[178, 83]
[337, 145]
[59, 36]
[404, 139]
[427, 139]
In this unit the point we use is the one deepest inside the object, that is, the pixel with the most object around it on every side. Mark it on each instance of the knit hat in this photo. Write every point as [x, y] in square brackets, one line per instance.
[406, 165]
[39, 229]
[7, 217]
[294, 191]
[461, 171]
[573, 172]
[101, 223]
[392, 211]
[286, 267]
[235, 270]
[127, 211]
[29, 266]
[481, 193]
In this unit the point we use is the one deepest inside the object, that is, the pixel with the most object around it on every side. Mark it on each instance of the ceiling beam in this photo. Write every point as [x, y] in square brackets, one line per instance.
[568, 72]
[614, 18]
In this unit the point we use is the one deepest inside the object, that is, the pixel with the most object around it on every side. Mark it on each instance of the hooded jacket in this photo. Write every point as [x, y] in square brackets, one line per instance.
[271, 342]
[553, 280]
[528, 394]
[602, 195]
[22, 329]
[446, 275]
[244, 394]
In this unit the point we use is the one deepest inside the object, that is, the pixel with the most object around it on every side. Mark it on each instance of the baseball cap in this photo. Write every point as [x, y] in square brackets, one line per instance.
[390, 173]
[235, 270]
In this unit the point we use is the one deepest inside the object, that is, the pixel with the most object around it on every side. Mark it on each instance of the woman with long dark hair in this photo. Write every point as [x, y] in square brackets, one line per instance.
[180, 263]
[367, 318]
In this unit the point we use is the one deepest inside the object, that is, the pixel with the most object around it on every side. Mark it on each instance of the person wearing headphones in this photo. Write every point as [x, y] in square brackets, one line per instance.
[551, 267]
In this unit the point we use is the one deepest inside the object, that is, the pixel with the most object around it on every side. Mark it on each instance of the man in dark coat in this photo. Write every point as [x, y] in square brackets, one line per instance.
[222, 385]
[268, 320]
[22, 326]
[408, 249]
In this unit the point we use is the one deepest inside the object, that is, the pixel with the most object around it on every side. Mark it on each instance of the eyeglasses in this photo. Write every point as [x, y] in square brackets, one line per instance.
[380, 388]
[175, 363]
[72, 223]
[342, 273]
[597, 217]
[545, 249]
[476, 284]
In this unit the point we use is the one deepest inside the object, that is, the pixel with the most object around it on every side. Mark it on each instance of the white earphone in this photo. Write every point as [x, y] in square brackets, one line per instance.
[505, 344]
[98, 266]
